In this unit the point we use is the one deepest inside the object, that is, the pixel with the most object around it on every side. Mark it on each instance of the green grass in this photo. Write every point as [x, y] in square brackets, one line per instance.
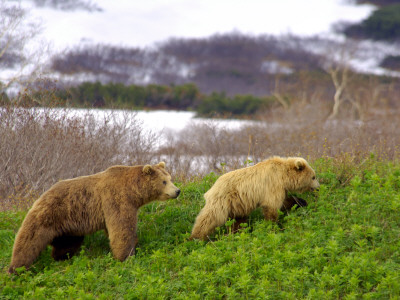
[344, 245]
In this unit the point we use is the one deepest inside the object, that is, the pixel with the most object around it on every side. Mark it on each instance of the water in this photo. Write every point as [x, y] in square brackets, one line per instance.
[160, 121]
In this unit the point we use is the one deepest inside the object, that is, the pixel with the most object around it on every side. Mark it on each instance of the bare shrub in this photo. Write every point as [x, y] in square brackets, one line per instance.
[201, 148]
[21, 50]
[305, 131]
[42, 146]
[301, 130]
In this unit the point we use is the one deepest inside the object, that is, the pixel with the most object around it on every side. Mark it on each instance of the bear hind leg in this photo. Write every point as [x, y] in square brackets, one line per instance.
[64, 247]
[207, 220]
[28, 245]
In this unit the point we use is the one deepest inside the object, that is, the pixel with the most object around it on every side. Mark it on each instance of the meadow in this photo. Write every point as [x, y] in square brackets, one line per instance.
[343, 245]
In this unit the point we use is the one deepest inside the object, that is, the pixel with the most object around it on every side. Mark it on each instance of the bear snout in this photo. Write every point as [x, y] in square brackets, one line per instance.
[174, 194]
[315, 187]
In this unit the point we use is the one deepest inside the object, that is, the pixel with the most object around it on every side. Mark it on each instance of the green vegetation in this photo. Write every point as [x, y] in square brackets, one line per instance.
[377, 2]
[383, 24]
[219, 103]
[391, 62]
[175, 97]
[95, 94]
[344, 245]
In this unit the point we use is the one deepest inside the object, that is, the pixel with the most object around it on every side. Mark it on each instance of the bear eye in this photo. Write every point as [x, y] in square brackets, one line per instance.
[164, 182]
[313, 178]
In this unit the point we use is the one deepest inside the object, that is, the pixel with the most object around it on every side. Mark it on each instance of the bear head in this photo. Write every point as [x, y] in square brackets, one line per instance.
[301, 175]
[161, 182]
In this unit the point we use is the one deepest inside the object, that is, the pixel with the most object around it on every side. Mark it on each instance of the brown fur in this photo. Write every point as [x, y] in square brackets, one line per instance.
[72, 208]
[265, 185]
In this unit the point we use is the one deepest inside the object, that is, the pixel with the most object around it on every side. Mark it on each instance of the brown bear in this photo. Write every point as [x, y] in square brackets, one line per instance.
[75, 207]
[237, 193]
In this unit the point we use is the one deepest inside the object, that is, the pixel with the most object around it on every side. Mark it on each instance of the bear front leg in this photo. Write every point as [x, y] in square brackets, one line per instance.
[122, 234]
[64, 247]
[291, 201]
[208, 219]
[272, 204]
[270, 214]
[123, 244]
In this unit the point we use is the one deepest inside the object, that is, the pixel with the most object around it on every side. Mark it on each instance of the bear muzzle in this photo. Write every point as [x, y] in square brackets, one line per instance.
[315, 187]
[176, 194]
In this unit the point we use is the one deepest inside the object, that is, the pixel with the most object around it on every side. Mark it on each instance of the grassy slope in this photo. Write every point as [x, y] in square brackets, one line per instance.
[345, 245]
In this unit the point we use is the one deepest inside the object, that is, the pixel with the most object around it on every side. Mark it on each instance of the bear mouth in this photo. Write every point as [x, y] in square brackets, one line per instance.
[175, 195]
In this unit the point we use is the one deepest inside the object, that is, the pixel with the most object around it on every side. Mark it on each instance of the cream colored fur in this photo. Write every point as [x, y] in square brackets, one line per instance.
[238, 193]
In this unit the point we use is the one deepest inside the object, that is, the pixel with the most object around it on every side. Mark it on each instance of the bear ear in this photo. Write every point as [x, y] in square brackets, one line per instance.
[161, 164]
[147, 169]
[300, 165]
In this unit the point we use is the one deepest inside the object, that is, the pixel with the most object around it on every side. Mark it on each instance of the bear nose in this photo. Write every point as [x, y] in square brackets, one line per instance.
[178, 191]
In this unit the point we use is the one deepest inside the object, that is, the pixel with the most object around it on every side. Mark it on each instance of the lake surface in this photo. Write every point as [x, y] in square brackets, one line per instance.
[160, 121]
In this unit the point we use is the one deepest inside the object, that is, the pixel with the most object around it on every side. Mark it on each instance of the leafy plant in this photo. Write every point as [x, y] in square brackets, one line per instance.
[344, 244]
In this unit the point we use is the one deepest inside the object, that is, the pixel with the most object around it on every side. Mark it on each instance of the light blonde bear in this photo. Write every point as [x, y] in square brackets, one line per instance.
[265, 185]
